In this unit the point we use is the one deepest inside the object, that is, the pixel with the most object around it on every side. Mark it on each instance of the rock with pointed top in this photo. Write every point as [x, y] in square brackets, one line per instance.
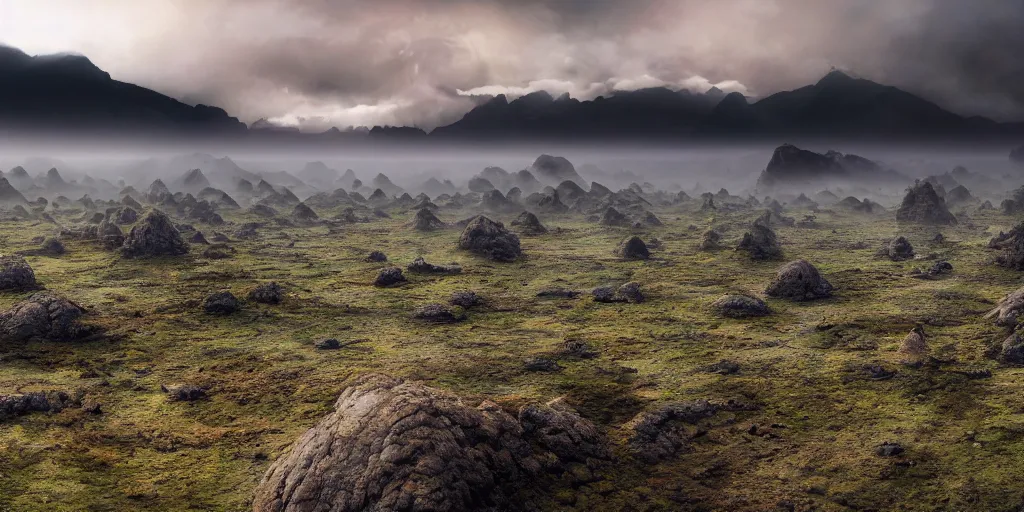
[155, 235]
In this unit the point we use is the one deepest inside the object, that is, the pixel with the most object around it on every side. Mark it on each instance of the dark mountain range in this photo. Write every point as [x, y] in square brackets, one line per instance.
[69, 93]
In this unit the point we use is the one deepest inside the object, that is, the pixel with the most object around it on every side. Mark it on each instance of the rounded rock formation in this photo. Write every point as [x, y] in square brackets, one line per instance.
[44, 316]
[899, 249]
[740, 306]
[396, 445]
[490, 239]
[799, 281]
[16, 274]
[633, 248]
[154, 236]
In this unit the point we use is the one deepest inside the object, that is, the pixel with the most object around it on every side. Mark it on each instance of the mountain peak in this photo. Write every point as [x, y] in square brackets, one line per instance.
[835, 77]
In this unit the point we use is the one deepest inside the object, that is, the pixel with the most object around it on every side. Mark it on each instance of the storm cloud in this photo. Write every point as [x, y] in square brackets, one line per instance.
[322, 63]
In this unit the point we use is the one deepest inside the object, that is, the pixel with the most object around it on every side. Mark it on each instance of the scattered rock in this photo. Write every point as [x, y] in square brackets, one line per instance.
[799, 281]
[465, 299]
[154, 236]
[420, 266]
[51, 247]
[541, 364]
[198, 238]
[761, 242]
[44, 316]
[662, 433]
[1012, 246]
[376, 257]
[888, 449]
[740, 306]
[633, 248]
[923, 205]
[914, 347]
[612, 217]
[899, 249]
[440, 314]
[16, 274]
[327, 344]
[304, 213]
[490, 239]
[218, 252]
[267, 293]
[425, 220]
[1008, 309]
[41, 401]
[221, 303]
[389, 276]
[710, 240]
[183, 392]
[529, 224]
[724, 367]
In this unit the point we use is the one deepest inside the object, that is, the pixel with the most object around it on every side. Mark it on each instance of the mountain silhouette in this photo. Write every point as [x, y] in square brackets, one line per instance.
[55, 93]
[68, 92]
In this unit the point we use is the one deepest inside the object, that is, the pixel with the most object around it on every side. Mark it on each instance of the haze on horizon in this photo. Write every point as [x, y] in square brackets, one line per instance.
[318, 63]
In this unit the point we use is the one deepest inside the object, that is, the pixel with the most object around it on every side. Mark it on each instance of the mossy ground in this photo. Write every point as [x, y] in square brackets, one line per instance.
[819, 415]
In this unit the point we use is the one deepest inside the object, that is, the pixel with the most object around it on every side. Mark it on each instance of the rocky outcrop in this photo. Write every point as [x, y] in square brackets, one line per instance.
[154, 236]
[490, 239]
[799, 281]
[923, 205]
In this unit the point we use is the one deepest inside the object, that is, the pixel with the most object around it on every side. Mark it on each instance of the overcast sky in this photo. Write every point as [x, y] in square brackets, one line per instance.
[418, 62]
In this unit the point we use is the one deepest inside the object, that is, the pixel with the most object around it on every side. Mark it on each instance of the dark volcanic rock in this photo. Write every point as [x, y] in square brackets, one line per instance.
[183, 392]
[529, 224]
[664, 432]
[389, 276]
[711, 240]
[490, 239]
[552, 204]
[799, 281]
[40, 401]
[396, 445]
[154, 236]
[628, 292]
[198, 238]
[221, 303]
[420, 266]
[1012, 349]
[304, 213]
[440, 314]
[1012, 246]
[1009, 309]
[267, 293]
[45, 316]
[923, 205]
[740, 306]
[125, 215]
[612, 217]
[761, 242]
[425, 220]
[465, 299]
[16, 274]
[899, 249]
[50, 247]
[633, 248]
[377, 257]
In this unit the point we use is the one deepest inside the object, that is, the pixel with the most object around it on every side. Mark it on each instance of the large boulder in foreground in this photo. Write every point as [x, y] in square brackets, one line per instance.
[799, 281]
[490, 239]
[1009, 309]
[397, 445]
[16, 274]
[923, 205]
[154, 236]
[44, 316]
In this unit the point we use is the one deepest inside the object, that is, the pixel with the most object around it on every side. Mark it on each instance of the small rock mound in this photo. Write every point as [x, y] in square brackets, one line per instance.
[923, 205]
[799, 281]
[39, 401]
[44, 316]
[198, 238]
[221, 303]
[396, 445]
[740, 306]
[52, 247]
[711, 240]
[304, 213]
[420, 266]
[1008, 309]
[465, 299]
[154, 236]
[376, 257]
[612, 217]
[425, 220]
[1012, 246]
[183, 392]
[390, 276]
[490, 239]
[662, 433]
[1012, 350]
[761, 242]
[16, 274]
[529, 224]
[633, 248]
[899, 249]
[267, 293]
[914, 347]
[440, 314]
[629, 292]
